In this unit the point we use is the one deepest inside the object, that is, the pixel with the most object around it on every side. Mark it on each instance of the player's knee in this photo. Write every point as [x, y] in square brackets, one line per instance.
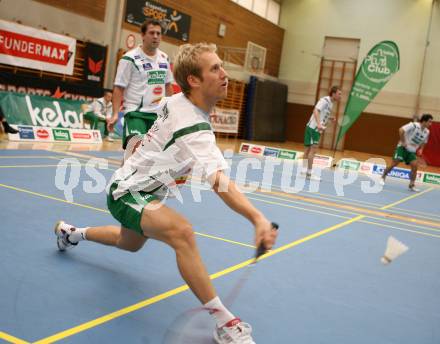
[183, 234]
[132, 247]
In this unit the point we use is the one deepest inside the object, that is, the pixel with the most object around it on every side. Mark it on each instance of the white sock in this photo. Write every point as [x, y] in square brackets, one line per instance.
[220, 313]
[78, 234]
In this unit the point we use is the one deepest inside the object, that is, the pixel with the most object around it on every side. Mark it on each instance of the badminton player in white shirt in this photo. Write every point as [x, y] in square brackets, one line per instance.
[180, 140]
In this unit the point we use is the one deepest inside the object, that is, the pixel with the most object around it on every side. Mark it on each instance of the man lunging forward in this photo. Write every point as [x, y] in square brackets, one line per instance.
[413, 137]
[180, 140]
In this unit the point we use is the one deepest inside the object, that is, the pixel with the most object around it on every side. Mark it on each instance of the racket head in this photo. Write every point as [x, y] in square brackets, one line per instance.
[194, 326]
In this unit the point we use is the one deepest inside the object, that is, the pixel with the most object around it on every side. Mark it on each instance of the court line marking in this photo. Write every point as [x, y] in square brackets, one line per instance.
[106, 211]
[118, 164]
[178, 290]
[318, 195]
[145, 303]
[367, 211]
[11, 339]
[407, 198]
[338, 210]
[369, 217]
[400, 228]
[36, 166]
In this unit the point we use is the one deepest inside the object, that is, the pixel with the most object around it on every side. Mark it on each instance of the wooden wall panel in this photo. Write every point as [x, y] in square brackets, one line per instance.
[371, 133]
[241, 26]
[296, 118]
[94, 9]
[376, 134]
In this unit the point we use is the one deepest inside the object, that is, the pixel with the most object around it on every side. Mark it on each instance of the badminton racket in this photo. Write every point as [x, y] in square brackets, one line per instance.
[191, 326]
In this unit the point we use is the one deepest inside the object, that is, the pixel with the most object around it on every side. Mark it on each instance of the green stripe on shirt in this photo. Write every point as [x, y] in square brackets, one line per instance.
[186, 131]
[131, 60]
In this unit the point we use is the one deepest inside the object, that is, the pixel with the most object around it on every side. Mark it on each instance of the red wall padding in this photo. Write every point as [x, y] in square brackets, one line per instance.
[431, 152]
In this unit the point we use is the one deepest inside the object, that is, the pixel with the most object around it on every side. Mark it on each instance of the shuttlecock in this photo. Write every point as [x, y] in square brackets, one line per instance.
[394, 249]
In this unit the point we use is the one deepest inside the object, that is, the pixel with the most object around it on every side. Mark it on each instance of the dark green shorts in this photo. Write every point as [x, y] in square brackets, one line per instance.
[402, 154]
[137, 123]
[311, 136]
[128, 208]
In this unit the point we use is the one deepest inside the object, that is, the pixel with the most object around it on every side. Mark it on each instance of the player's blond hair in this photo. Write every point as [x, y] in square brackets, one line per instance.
[186, 63]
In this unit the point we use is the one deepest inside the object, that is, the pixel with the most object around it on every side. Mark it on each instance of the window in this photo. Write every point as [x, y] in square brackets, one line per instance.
[273, 12]
[269, 9]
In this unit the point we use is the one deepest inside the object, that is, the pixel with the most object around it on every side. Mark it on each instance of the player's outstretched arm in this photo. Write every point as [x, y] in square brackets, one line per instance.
[228, 191]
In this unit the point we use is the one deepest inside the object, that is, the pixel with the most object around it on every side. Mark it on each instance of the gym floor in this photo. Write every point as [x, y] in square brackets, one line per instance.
[322, 283]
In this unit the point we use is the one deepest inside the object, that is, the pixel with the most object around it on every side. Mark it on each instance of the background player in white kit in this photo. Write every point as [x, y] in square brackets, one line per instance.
[413, 137]
[316, 126]
[180, 140]
[142, 79]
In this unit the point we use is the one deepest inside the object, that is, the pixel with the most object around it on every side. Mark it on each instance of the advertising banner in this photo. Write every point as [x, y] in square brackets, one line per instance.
[36, 86]
[41, 111]
[45, 134]
[174, 23]
[25, 46]
[94, 63]
[225, 120]
[380, 64]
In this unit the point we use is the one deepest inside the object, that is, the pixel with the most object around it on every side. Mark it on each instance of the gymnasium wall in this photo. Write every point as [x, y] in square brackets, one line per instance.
[60, 19]
[403, 21]
[241, 26]
[306, 24]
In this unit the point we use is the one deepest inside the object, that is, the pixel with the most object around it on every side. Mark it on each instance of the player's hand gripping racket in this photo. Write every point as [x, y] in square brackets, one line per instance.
[194, 326]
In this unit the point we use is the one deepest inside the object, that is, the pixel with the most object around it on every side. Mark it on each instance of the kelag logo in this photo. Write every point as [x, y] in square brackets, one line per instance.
[26, 133]
[61, 134]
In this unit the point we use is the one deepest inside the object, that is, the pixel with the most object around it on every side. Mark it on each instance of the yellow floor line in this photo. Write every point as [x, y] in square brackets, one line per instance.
[11, 339]
[406, 199]
[160, 297]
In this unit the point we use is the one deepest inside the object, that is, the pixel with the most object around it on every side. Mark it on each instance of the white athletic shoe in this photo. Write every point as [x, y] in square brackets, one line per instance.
[234, 332]
[62, 231]
[413, 188]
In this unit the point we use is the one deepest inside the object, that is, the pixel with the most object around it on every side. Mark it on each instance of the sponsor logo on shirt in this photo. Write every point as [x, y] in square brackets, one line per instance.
[147, 66]
[163, 65]
[157, 90]
[137, 57]
[156, 77]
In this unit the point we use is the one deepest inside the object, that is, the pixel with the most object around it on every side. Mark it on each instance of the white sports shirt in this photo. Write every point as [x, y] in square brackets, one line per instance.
[143, 78]
[180, 142]
[324, 107]
[415, 136]
[101, 109]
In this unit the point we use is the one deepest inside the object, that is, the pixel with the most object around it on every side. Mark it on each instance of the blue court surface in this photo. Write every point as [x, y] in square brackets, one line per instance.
[322, 283]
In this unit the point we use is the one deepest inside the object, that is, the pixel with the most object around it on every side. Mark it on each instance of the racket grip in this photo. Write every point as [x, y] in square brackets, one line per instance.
[262, 248]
